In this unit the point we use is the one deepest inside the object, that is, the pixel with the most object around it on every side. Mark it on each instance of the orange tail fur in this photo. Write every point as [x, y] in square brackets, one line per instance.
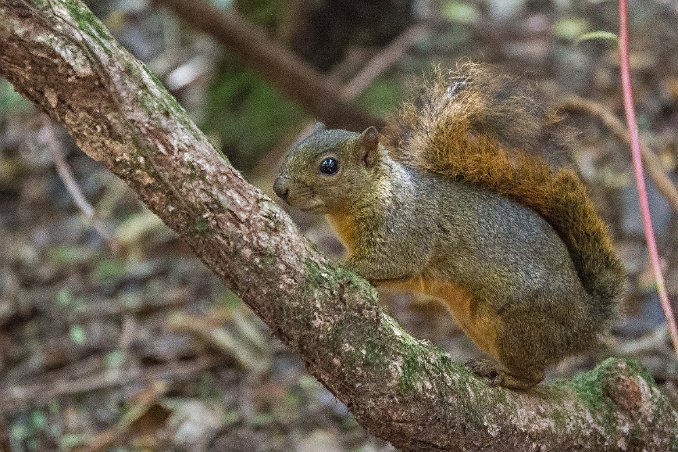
[483, 127]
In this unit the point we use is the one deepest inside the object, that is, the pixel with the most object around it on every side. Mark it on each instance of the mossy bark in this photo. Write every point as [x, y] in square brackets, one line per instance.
[399, 388]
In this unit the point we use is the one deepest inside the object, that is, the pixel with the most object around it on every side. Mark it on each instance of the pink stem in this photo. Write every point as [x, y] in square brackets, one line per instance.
[625, 69]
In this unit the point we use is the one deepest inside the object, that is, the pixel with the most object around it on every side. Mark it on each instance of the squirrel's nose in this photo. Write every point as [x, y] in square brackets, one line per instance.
[280, 187]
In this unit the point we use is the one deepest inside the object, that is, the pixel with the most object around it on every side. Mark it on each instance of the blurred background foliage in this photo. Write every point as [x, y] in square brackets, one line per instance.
[113, 336]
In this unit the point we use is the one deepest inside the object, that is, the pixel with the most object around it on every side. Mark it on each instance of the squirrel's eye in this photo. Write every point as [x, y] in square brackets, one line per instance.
[329, 166]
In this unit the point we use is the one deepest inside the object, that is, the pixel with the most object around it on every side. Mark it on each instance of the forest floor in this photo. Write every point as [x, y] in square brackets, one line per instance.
[112, 335]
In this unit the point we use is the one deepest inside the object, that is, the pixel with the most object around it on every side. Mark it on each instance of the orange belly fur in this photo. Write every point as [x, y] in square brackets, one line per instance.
[478, 322]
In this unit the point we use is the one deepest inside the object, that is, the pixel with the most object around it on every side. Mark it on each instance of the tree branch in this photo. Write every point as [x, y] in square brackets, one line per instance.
[578, 104]
[294, 77]
[73, 188]
[399, 388]
[387, 57]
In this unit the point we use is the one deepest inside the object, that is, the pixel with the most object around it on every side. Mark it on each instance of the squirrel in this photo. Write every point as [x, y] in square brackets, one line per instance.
[470, 197]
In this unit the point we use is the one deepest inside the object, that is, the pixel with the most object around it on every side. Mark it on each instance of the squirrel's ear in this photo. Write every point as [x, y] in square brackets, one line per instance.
[368, 144]
[319, 127]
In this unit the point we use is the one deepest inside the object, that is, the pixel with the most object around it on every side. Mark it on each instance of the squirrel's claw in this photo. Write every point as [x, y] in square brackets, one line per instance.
[497, 376]
[485, 368]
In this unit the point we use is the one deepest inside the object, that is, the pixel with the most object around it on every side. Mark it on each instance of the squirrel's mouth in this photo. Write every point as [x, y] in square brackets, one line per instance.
[313, 205]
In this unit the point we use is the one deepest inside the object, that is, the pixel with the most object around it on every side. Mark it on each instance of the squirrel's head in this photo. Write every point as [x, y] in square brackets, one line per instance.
[329, 170]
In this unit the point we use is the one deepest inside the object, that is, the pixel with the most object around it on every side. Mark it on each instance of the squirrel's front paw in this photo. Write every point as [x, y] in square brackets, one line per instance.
[497, 376]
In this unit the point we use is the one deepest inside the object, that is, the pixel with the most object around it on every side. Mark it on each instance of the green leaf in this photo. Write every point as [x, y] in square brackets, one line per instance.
[137, 227]
[462, 12]
[64, 297]
[230, 299]
[10, 100]
[70, 441]
[115, 359]
[231, 418]
[70, 254]
[19, 432]
[222, 4]
[77, 334]
[38, 419]
[109, 269]
[261, 420]
[597, 36]
[570, 28]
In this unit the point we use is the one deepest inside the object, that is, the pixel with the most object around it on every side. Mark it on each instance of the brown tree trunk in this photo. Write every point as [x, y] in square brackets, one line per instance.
[60, 56]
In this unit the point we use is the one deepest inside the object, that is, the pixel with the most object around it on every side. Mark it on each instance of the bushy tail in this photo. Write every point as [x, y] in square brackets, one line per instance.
[485, 128]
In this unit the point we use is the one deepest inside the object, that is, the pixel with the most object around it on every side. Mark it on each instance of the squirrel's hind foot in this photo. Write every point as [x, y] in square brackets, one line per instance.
[498, 376]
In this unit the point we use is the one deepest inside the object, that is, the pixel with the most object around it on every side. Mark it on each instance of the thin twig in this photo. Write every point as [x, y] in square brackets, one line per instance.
[652, 342]
[615, 125]
[247, 352]
[146, 399]
[18, 396]
[627, 89]
[382, 61]
[69, 181]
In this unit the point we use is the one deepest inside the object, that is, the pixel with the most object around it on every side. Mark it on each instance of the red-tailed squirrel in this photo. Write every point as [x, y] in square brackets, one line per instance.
[468, 197]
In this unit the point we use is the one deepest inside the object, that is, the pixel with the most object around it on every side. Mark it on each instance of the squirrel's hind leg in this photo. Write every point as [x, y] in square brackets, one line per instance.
[499, 376]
